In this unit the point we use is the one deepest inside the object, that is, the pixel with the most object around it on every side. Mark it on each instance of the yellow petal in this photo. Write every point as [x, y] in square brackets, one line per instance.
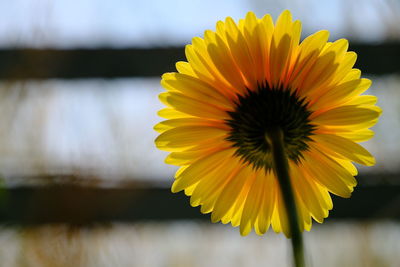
[171, 113]
[365, 100]
[204, 69]
[265, 31]
[195, 88]
[267, 205]
[341, 93]
[309, 194]
[235, 214]
[253, 39]
[345, 65]
[188, 156]
[322, 170]
[184, 68]
[353, 74]
[308, 52]
[322, 73]
[192, 106]
[285, 38]
[169, 124]
[209, 188]
[319, 74]
[240, 53]
[349, 166]
[253, 203]
[198, 64]
[201, 169]
[230, 193]
[345, 147]
[357, 136]
[187, 136]
[344, 116]
[222, 59]
[280, 221]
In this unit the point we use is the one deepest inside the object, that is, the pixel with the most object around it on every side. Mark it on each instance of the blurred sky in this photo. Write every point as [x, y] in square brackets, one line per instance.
[121, 23]
[103, 128]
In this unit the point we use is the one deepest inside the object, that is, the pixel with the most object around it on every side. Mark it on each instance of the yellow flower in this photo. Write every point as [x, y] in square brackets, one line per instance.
[240, 81]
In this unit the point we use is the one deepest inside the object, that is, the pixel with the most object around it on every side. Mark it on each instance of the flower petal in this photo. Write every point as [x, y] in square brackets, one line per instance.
[230, 193]
[208, 189]
[345, 147]
[253, 203]
[341, 93]
[309, 194]
[201, 169]
[324, 171]
[170, 124]
[345, 116]
[187, 136]
[267, 204]
[192, 106]
[195, 88]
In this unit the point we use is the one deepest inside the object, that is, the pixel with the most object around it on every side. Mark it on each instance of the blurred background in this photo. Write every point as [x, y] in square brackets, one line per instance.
[82, 183]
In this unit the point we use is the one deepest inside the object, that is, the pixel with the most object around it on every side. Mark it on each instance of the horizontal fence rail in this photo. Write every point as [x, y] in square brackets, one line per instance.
[86, 205]
[117, 63]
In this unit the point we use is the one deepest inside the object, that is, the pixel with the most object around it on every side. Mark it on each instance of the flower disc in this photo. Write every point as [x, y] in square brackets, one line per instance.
[243, 79]
[259, 111]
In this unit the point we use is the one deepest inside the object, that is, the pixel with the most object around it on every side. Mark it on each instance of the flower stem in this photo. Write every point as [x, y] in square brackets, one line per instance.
[281, 167]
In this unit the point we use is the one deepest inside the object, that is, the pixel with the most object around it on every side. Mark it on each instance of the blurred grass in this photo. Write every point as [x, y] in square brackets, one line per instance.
[193, 244]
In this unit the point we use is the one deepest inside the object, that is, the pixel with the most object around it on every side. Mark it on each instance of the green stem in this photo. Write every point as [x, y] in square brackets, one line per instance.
[275, 139]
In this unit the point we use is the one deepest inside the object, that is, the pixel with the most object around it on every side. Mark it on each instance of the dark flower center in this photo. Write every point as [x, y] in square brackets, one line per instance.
[267, 108]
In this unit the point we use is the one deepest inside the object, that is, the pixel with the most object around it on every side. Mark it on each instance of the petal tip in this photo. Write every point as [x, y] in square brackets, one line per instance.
[175, 188]
[245, 230]
[250, 14]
